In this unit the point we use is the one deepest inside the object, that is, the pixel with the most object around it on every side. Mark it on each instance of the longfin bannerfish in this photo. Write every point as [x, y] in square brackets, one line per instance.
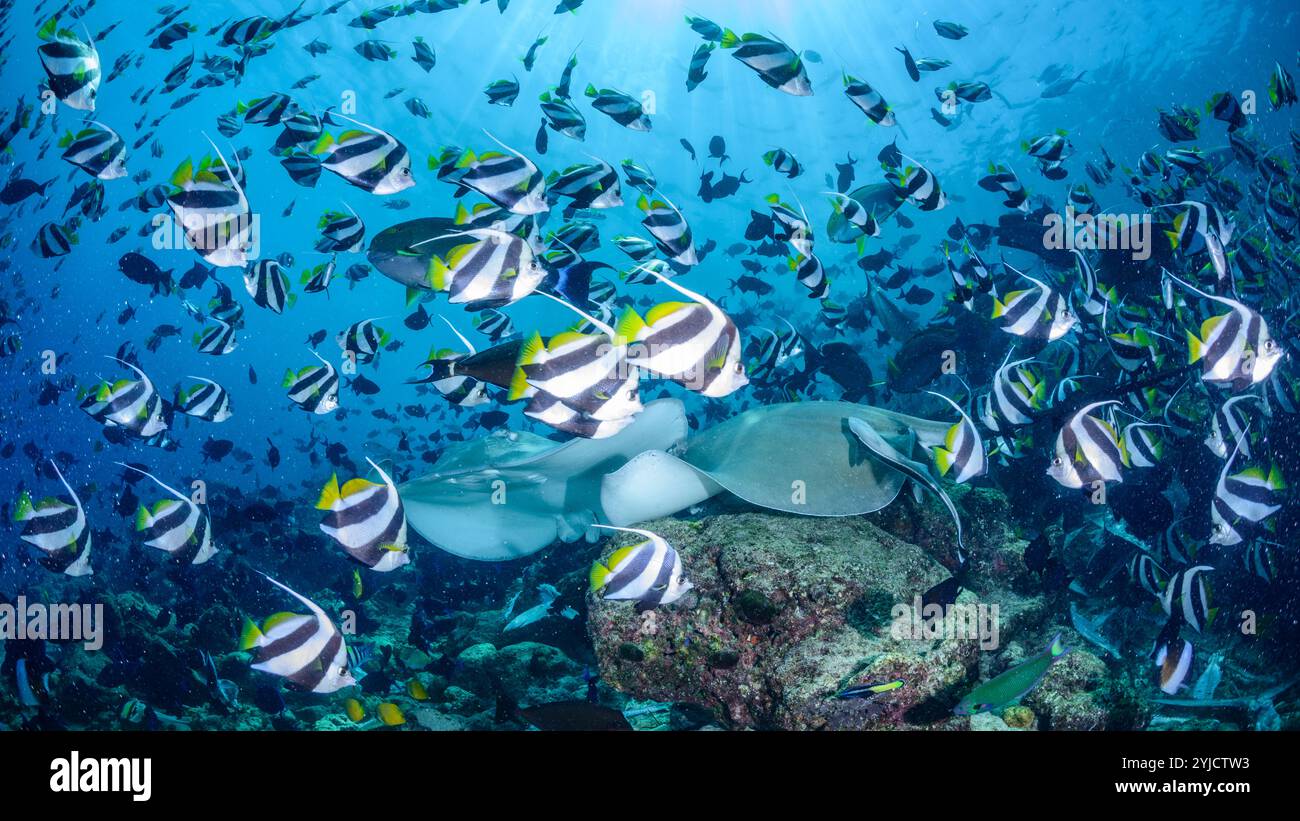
[510, 180]
[367, 519]
[176, 526]
[57, 529]
[492, 269]
[775, 63]
[1234, 348]
[371, 159]
[1088, 450]
[314, 388]
[648, 572]
[1250, 496]
[71, 65]
[308, 651]
[1035, 313]
[669, 229]
[692, 343]
[962, 451]
[208, 401]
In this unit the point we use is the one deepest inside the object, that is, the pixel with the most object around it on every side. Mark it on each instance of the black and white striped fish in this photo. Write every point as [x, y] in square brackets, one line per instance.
[619, 107]
[915, 182]
[1095, 297]
[510, 180]
[180, 527]
[589, 373]
[249, 30]
[217, 341]
[372, 160]
[1248, 497]
[56, 528]
[502, 92]
[1235, 348]
[642, 179]
[54, 241]
[1175, 544]
[315, 388]
[869, 100]
[962, 451]
[207, 401]
[301, 130]
[269, 110]
[553, 412]
[495, 325]
[811, 275]
[695, 73]
[308, 651]
[268, 285]
[129, 403]
[1201, 228]
[646, 272]
[317, 280]
[1002, 178]
[775, 63]
[178, 74]
[72, 65]
[459, 389]
[366, 518]
[647, 572]
[589, 185]
[1049, 148]
[790, 225]
[1143, 447]
[98, 150]
[340, 233]
[213, 211]
[362, 340]
[1034, 313]
[1188, 587]
[669, 229]
[855, 214]
[303, 169]
[692, 343]
[1088, 450]
[1017, 394]
[563, 117]
[493, 268]
[1228, 426]
[1146, 573]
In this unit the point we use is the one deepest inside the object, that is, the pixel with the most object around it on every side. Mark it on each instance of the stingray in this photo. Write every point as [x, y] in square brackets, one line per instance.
[511, 494]
[809, 458]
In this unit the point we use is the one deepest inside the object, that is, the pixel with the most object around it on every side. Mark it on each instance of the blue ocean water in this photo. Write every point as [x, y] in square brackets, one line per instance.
[1135, 61]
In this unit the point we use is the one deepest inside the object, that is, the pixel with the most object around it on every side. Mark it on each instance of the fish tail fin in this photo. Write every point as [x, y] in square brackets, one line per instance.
[1057, 648]
[599, 573]
[1195, 349]
[330, 495]
[250, 636]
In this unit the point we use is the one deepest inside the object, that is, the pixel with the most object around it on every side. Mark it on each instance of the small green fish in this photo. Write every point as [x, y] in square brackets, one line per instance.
[1013, 685]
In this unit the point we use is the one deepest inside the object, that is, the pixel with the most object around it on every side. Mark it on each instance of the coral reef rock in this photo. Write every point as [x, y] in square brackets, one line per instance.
[788, 611]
